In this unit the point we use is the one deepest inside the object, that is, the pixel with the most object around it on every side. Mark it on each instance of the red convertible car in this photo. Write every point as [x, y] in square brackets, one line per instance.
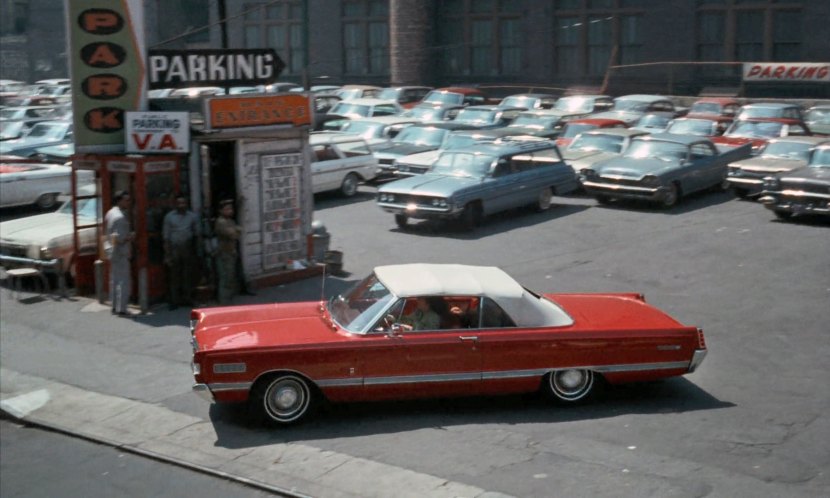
[428, 330]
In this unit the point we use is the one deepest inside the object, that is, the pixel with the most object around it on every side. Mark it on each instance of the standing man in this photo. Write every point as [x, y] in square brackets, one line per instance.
[181, 239]
[118, 246]
[227, 234]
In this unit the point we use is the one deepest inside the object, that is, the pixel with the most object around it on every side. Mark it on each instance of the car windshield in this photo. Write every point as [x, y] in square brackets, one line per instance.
[361, 304]
[366, 129]
[438, 97]
[476, 116]
[11, 129]
[519, 101]
[705, 108]
[755, 129]
[348, 109]
[533, 121]
[351, 93]
[87, 208]
[699, 127]
[425, 113]
[574, 104]
[590, 141]
[761, 112]
[43, 130]
[820, 158]
[388, 94]
[630, 105]
[653, 121]
[418, 135]
[574, 129]
[463, 164]
[787, 150]
[656, 149]
[818, 116]
[10, 114]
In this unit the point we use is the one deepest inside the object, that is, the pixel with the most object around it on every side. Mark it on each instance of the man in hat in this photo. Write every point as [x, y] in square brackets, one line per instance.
[118, 246]
[227, 234]
[181, 238]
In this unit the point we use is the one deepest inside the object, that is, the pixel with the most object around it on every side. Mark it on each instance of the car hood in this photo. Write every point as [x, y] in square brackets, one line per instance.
[36, 230]
[263, 325]
[634, 168]
[422, 158]
[397, 150]
[22, 143]
[613, 312]
[770, 165]
[736, 141]
[430, 184]
[626, 116]
[811, 175]
[590, 159]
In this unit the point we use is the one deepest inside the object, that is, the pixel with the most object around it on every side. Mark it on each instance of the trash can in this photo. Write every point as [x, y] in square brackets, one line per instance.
[320, 239]
[334, 261]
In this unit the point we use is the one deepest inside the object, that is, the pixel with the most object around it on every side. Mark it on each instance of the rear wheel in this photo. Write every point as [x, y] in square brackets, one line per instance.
[741, 193]
[47, 201]
[783, 215]
[544, 199]
[604, 200]
[284, 399]
[349, 186]
[401, 220]
[570, 385]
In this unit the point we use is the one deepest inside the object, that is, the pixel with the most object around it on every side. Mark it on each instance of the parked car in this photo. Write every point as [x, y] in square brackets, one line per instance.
[758, 131]
[11, 130]
[577, 106]
[529, 101]
[767, 110]
[41, 184]
[351, 92]
[360, 108]
[40, 135]
[50, 236]
[818, 119]
[661, 168]
[577, 126]
[28, 115]
[725, 107]
[801, 191]
[779, 155]
[630, 108]
[593, 146]
[703, 126]
[407, 96]
[340, 163]
[414, 139]
[378, 130]
[487, 116]
[463, 96]
[654, 122]
[428, 113]
[468, 184]
[196, 91]
[286, 358]
[460, 137]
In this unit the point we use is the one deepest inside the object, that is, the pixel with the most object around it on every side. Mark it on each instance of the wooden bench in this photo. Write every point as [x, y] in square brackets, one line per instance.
[15, 277]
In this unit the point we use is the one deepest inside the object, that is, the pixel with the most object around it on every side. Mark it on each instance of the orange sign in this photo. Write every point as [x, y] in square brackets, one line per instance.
[261, 110]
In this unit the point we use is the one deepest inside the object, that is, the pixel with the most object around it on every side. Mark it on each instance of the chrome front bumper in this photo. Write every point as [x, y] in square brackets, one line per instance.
[796, 201]
[624, 191]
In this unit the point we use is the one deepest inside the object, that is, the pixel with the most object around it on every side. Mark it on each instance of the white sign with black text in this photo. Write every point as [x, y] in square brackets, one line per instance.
[158, 132]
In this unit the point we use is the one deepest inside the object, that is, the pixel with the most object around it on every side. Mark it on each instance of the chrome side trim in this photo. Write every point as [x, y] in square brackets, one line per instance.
[670, 365]
[340, 382]
[697, 359]
[224, 368]
[230, 386]
[417, 379]
[514, 374]
[668, 347]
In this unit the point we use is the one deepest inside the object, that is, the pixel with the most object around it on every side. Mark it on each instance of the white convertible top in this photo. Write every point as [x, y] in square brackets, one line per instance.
[422, 279]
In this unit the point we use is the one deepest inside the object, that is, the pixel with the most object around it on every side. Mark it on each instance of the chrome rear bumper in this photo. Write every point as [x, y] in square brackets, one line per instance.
[697, 359]
[203, 391]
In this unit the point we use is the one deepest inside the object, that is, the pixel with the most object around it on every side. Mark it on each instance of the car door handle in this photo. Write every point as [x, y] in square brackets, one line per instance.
[468, 338]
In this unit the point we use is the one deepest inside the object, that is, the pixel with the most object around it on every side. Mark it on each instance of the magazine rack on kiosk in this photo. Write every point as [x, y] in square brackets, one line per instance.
[153, 183]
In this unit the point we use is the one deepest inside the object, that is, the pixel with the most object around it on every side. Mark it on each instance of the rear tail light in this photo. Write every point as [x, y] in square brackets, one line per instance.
[701, 341]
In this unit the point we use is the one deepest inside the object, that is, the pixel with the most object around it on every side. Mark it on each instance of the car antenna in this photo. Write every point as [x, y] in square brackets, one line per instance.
[323, 286]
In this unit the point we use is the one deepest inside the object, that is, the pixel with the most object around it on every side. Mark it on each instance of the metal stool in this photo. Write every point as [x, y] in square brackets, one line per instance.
[15, 277]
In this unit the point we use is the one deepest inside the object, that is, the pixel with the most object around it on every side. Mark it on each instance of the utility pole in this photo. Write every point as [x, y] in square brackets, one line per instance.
[223, 23]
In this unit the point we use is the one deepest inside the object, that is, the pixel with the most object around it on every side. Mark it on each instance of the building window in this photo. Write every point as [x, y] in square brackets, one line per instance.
[278, 26]
[764, 30]
[480, 37]
[198, 17]
[593, 34]
[366, 37]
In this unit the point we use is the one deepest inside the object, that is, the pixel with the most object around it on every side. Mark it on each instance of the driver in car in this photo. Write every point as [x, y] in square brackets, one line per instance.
[422, 318]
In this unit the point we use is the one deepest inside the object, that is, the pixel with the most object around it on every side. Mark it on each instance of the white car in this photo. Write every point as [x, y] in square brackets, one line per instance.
[378, 130]
[22, 184]
[340, 162]
[50, 236]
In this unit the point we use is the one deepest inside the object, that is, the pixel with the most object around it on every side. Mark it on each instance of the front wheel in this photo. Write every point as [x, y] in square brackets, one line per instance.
[570, 385]
[349, 186]
[671, 196]
[47, 201]
[471, 216]
[741, 193]
[783, 215]
[285, 399]
[401, 220]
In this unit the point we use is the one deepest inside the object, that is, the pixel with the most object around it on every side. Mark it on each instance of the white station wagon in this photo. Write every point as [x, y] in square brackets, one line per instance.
[340, 162]
[23, 184]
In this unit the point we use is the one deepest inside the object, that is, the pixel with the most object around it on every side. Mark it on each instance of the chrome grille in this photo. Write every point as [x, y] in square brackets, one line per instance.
[13, 250]
[812, 188]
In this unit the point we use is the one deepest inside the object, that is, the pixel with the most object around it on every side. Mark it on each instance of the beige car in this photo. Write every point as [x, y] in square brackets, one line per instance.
[340, 162]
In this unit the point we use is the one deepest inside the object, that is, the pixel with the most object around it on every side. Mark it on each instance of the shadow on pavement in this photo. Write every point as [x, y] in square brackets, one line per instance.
[237, 427]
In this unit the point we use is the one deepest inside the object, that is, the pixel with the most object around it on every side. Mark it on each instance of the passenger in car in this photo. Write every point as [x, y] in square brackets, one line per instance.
[422, 318]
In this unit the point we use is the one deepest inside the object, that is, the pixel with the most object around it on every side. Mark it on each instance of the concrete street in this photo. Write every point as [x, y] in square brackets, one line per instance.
[751, 422]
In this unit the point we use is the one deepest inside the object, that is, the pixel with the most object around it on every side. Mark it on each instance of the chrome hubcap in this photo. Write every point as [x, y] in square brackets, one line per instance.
[286, 398]
[571, 379]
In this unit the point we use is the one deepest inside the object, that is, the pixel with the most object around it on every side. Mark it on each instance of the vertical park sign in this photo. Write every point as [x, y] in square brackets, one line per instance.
[106, 42]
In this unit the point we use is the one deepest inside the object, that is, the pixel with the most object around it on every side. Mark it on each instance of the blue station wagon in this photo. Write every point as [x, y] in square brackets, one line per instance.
[470, 183]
